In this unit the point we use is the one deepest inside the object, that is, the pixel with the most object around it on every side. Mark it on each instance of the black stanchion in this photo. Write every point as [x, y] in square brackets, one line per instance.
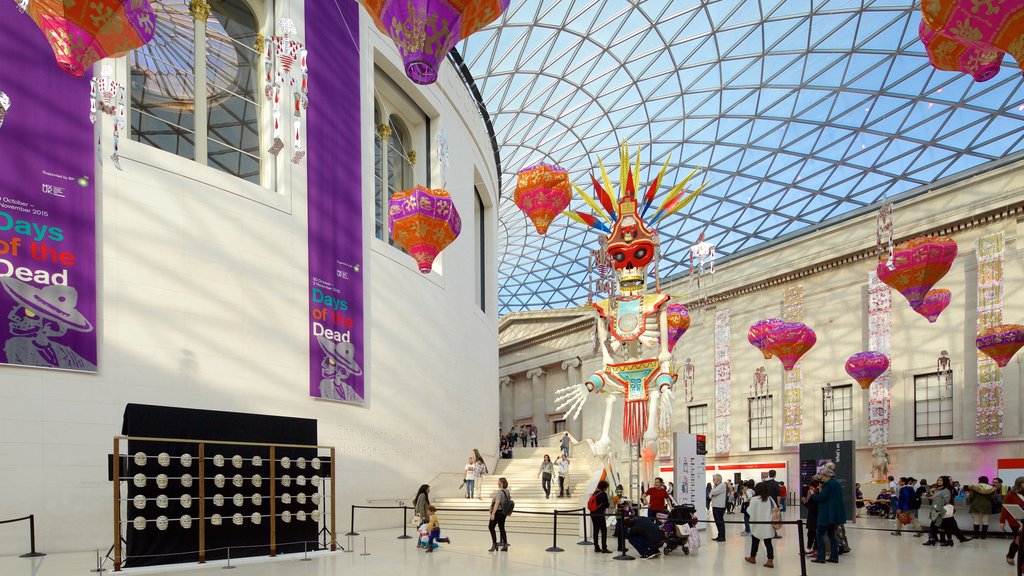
[405, 524]
[32, 538]
[585, 542]
[622, 542]
[800, 550]
[554, 536]
[352, 525]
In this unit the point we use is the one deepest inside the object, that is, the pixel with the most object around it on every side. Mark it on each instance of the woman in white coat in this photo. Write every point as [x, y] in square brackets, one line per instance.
[760, 510]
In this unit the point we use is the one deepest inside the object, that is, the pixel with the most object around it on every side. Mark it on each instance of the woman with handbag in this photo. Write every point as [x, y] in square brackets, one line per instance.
[762, 510]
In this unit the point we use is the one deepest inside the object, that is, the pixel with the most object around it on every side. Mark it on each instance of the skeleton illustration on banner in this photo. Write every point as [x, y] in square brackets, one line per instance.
[633, 327]
[107, 96]
[5, 105]
[282, 54]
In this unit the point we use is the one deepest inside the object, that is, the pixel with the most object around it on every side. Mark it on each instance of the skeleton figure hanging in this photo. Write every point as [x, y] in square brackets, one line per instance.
[944, 370]
[5, 105]
[283, 53]
[704, 254]
[884, 233]
[107, 96]
[758, 393]
[689, 379]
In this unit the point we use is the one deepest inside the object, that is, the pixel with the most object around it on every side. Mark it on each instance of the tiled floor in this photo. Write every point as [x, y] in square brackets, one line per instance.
[875, 552]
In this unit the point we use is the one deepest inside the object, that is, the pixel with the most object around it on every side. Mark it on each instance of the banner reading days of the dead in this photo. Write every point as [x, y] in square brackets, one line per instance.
[47, 206]
[336, 353]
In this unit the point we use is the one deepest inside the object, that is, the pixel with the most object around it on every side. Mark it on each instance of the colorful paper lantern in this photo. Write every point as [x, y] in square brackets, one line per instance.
[864, 367]
[960, 37]
[759, 331]
[81, 33]
[917, 265]
[542, 192]
[423, 222]
[426, 30]
[678, 323]
[1001, 342]
[789, 341]
[935, 301]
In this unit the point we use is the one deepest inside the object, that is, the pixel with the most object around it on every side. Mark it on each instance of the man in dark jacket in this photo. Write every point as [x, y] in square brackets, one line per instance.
[831, 513]
[644, 535]
[772, 486]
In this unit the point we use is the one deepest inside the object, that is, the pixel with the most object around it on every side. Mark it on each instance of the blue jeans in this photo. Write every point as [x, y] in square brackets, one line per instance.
[469, 488]
[746, 522]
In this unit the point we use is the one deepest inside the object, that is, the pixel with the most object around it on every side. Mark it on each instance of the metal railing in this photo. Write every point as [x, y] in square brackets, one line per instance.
[31, 534]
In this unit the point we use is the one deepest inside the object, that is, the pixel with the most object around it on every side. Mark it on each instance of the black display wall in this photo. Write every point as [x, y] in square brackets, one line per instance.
[245, 487]
[813, 456]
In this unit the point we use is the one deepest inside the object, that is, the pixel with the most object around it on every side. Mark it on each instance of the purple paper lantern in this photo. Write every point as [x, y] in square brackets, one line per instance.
[759, 331]
[864, 367]
[790, 341]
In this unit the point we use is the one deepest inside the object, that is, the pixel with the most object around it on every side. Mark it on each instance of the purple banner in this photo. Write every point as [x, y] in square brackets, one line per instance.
[335, 203]
[47, 205]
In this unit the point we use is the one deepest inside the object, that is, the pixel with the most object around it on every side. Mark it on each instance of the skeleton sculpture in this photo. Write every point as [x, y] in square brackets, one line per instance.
[282, 53]
[704, 254]
[5, 105]
[107, 96]
[944, 367]
[632, 324]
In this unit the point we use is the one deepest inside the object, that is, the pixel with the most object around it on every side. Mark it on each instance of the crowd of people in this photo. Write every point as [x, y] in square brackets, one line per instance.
[525, 434]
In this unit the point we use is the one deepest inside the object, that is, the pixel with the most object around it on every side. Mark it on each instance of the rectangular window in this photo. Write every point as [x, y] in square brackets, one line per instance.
[933, 407]
[759, 412]
[479, 213]
[837, 414]
[698, 419]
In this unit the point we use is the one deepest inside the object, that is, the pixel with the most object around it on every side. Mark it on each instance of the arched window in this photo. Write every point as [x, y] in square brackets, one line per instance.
[213, 116]
[393, 169]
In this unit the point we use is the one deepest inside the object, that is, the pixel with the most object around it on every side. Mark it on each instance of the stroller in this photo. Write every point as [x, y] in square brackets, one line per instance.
[677, 525]
[880, 507]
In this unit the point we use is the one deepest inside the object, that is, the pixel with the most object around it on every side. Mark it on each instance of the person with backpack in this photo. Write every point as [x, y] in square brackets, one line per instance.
[501, 506]
[904, 512]
[598, 506]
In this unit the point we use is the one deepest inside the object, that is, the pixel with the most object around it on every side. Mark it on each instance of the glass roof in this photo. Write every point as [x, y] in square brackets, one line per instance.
[797, 111]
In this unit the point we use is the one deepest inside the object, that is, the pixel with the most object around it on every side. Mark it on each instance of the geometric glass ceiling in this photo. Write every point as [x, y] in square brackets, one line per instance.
[797, 112]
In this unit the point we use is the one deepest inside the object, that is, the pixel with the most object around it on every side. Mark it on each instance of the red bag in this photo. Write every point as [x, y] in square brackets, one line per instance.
[592, 502]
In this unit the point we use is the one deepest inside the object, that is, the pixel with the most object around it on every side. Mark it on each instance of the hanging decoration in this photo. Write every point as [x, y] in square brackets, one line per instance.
[542, 192]
[879, 340]
[828, 395]
[990, 251]
[792, 380]
[971, 36]
[423, 222]
[688, 376]
[757, 399]
[426, 30]
[107, 96]
[944, 370]
[678, 323]
[917, 265]
[83, 33]
[5, 105]
[865, 367]
[759, 331]
[935, 301]
[1001, 342]
[723, 381]
[282, 53]
[884, 230]
[790, 342]
[443, 155]
[701, 254]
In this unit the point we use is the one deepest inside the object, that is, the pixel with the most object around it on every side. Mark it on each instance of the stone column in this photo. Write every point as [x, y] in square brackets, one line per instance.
[572, 367]
[506, 403]
[540, 401]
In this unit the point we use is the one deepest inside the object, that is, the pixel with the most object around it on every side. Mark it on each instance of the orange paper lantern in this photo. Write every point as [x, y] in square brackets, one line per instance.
[424, 222]
[542, 192]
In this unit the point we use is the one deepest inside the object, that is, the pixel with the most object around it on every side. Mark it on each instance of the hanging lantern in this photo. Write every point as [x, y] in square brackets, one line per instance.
[960, 37]
[426, 30]
[759, 331]
[864, 367]
[1001, 342]
[935, 301]
[542, 192]
[917, 265]
[789, 341]
[82, 33]
[678, 323]
[423, 222]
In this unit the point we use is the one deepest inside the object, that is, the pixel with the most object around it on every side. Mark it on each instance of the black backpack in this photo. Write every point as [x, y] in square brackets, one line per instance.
[508, 505]
[915, 501]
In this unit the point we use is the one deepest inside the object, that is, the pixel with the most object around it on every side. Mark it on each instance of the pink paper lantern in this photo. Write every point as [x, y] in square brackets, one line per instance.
[678, 323]
[790, 341]
[542, 192]
[759, 331]
[424, 222]
[971, 36]
[917, 265]
[864, 367]
[935, 301]
[1001, 342]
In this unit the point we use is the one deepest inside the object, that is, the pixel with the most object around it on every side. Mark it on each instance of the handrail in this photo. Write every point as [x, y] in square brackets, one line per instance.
[31, 534]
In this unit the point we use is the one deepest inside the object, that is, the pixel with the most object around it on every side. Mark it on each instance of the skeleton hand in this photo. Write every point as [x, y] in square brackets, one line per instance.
[571, 399]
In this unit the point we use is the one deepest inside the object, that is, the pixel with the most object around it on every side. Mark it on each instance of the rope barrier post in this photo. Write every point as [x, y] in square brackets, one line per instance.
[32, 538]
[349, 548]
[585, 542]
[405, 524]
[99, 564]
[365, 553]
[305, 552]
[554, 536]
[800, 539]
[352, 525]
[622, 541]
[229, 566]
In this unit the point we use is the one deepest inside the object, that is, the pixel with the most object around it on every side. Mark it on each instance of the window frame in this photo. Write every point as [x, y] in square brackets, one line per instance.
[765, 424]
[941, 399]
[480, 230]
[698, 427]
[847, 391]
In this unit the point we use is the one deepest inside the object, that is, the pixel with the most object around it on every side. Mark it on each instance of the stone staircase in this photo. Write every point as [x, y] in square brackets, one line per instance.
[522, 471]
